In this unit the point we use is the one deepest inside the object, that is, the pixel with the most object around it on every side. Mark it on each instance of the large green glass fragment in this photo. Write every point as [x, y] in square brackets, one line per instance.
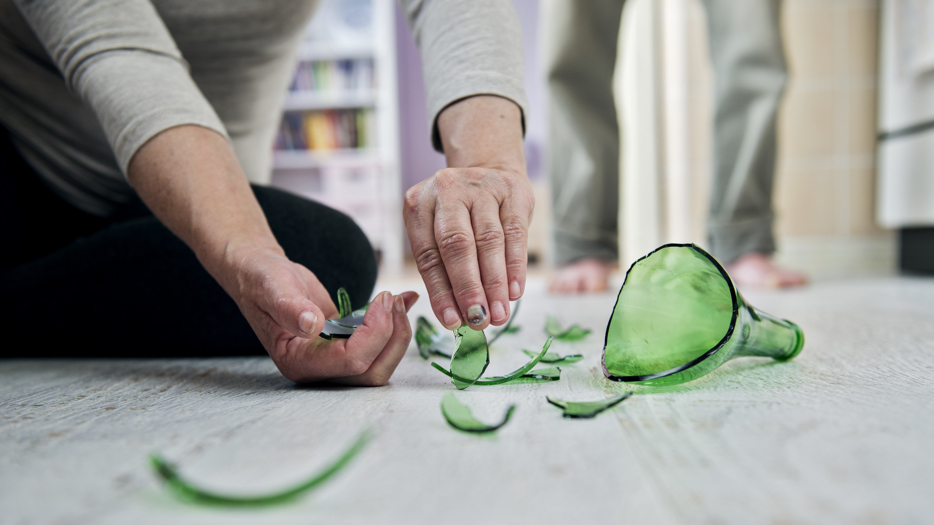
[586, 409]
[471, 356]
[554, 359]
[499, 380]
[678, 316]
[573, 333]
[460, 417]
[186, 491]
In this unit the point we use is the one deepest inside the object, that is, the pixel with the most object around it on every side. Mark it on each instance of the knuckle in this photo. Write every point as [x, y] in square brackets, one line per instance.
[427, 260]
[412, 200]
[455, 242]
[514, 229]
[497, 282]
[489, 237]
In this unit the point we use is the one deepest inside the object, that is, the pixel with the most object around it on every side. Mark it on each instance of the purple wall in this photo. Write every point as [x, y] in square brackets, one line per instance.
[418, 158]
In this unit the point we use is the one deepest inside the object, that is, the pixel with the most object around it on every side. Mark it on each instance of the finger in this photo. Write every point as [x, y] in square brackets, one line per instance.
[387, 361]
[515, 216]
[491, 257]
[420, 225]
[409, 298]
[295, 313]
[457, 244]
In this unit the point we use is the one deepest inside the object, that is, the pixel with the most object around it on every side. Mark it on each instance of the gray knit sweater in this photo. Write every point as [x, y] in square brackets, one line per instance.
[85, 83]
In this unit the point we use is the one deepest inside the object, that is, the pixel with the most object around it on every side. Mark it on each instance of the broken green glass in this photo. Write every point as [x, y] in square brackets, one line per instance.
[188, 492]
[343, 302]
[460, 417]
[539, 375]
[573, 333]
[494, 380]
[431, 342]
[554, 359]
[508, 328]
[586, 409]
[471, 356]
[678, 316]
[349, 319]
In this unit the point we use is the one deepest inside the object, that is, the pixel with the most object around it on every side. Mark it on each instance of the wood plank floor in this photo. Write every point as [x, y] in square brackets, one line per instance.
[842, 434]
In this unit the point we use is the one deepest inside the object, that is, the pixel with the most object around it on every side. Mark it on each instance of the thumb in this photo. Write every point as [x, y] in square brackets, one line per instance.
[297, 314]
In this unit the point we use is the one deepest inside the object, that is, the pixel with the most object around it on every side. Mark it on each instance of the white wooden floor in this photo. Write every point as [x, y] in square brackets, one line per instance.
[842, 434]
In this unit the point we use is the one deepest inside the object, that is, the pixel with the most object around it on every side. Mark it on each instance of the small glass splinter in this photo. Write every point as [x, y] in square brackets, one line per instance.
[499, 380]
[586, 409]
[430, 341]
[471, 356]
[188, 492]
[573, 333]
[343, 302]
[508, 328]
[460, 417]
[554, 359]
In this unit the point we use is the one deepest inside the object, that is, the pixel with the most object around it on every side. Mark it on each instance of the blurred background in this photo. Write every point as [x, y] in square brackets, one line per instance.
[355, 133]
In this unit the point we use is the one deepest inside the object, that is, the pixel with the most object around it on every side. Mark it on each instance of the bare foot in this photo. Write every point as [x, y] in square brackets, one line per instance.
[582, 276]
[758, 271]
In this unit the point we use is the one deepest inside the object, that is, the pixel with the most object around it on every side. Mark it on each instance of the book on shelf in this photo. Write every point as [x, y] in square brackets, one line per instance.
[326, 130]
[334, 75]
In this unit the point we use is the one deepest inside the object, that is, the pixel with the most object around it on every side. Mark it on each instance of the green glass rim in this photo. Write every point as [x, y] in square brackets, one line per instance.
[694, 362]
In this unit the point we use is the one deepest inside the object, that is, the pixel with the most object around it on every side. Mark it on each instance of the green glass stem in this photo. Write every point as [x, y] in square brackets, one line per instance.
[679, 316]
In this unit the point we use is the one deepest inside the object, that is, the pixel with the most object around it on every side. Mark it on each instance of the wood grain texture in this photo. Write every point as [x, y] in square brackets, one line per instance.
[841, 434]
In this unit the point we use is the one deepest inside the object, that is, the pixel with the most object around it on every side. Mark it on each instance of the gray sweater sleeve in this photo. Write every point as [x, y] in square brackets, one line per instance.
[468, 47]
[118, 56]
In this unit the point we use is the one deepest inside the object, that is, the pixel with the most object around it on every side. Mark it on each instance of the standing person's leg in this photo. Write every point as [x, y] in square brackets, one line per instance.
[580, 56]
[749, 66]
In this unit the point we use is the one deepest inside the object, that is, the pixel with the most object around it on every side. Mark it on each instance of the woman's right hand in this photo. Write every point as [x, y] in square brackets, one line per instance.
[286, 305]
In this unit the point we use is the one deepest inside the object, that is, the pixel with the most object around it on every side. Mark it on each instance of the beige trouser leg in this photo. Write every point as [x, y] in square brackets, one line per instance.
[580, 54]
[749, 67]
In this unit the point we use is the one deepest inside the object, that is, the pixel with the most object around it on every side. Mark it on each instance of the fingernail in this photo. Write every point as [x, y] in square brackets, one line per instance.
[476, 314]
[452, 321]
[307, 322]
[498, 311]
[387, 301]
[399, 304]
[514, 291]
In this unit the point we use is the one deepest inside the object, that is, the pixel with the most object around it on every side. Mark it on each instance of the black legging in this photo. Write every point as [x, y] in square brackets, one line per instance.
[76, 285]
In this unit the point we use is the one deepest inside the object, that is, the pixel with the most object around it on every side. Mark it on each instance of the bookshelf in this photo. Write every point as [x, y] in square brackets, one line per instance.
[337, 141]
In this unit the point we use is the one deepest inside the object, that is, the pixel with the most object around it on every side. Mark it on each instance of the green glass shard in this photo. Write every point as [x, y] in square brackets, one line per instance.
[585, 409]
[573, 333]
[555, 359]
[678, 316]
[496, 380]
[539, 375]
[509, 327]
[188, 492]
[343, 303]
[460, 417]
[471, 356]
[349, 319]
[430, 341]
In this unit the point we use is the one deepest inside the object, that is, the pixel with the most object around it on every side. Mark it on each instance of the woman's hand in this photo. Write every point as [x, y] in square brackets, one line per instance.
[468, 224]
[190, 178]
[286, 305]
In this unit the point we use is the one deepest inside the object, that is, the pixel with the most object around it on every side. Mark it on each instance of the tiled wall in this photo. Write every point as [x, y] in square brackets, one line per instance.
[825, 182]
